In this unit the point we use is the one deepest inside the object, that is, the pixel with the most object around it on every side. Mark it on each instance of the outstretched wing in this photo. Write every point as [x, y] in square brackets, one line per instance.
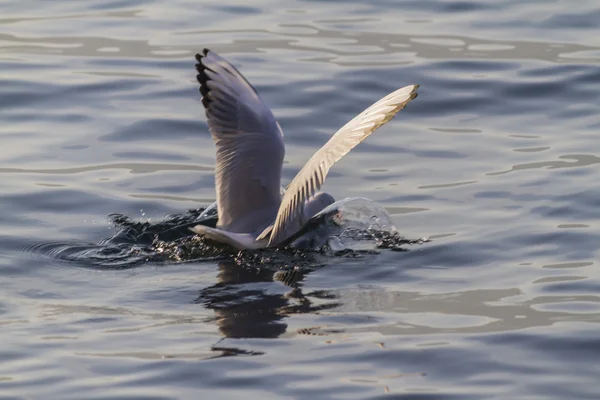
[249, 146]
[313, 174]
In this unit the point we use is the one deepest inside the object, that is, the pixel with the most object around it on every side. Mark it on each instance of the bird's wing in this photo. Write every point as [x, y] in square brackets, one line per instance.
[313, 174]
[249, 146]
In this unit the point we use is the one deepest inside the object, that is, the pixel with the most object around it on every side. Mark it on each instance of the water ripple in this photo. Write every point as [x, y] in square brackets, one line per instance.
[496, 162]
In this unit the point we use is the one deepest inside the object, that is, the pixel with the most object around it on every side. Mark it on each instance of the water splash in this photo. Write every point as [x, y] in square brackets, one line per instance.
[348, 228]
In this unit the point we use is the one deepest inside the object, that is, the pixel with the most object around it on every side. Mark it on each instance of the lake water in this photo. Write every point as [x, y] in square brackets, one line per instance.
[497, 162]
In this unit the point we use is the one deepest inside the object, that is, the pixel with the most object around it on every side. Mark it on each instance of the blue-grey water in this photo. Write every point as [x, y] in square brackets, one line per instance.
[103, 139]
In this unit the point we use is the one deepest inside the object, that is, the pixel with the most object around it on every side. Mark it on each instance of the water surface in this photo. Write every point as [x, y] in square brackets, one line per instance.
[497, 161]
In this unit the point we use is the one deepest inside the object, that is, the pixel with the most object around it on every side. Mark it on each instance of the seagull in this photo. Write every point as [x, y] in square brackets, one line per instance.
[253, 211]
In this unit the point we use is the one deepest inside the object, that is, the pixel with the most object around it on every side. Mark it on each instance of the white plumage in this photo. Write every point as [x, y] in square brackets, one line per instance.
[250, 152]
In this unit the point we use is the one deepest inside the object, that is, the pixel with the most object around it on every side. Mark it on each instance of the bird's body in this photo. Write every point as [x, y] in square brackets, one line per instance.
[252, 212]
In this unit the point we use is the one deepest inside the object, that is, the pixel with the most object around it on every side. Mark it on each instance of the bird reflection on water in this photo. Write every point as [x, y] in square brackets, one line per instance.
[245, 309]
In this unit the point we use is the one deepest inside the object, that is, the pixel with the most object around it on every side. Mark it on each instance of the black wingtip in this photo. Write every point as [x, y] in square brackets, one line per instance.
[203, 78]
[200, 56]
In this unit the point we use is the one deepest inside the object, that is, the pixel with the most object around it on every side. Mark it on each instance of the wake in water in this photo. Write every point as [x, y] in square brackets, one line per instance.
[349, 228]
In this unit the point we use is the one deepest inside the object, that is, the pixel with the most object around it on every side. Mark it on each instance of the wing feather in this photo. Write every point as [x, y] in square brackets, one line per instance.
[249, 146]
[313, 174]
